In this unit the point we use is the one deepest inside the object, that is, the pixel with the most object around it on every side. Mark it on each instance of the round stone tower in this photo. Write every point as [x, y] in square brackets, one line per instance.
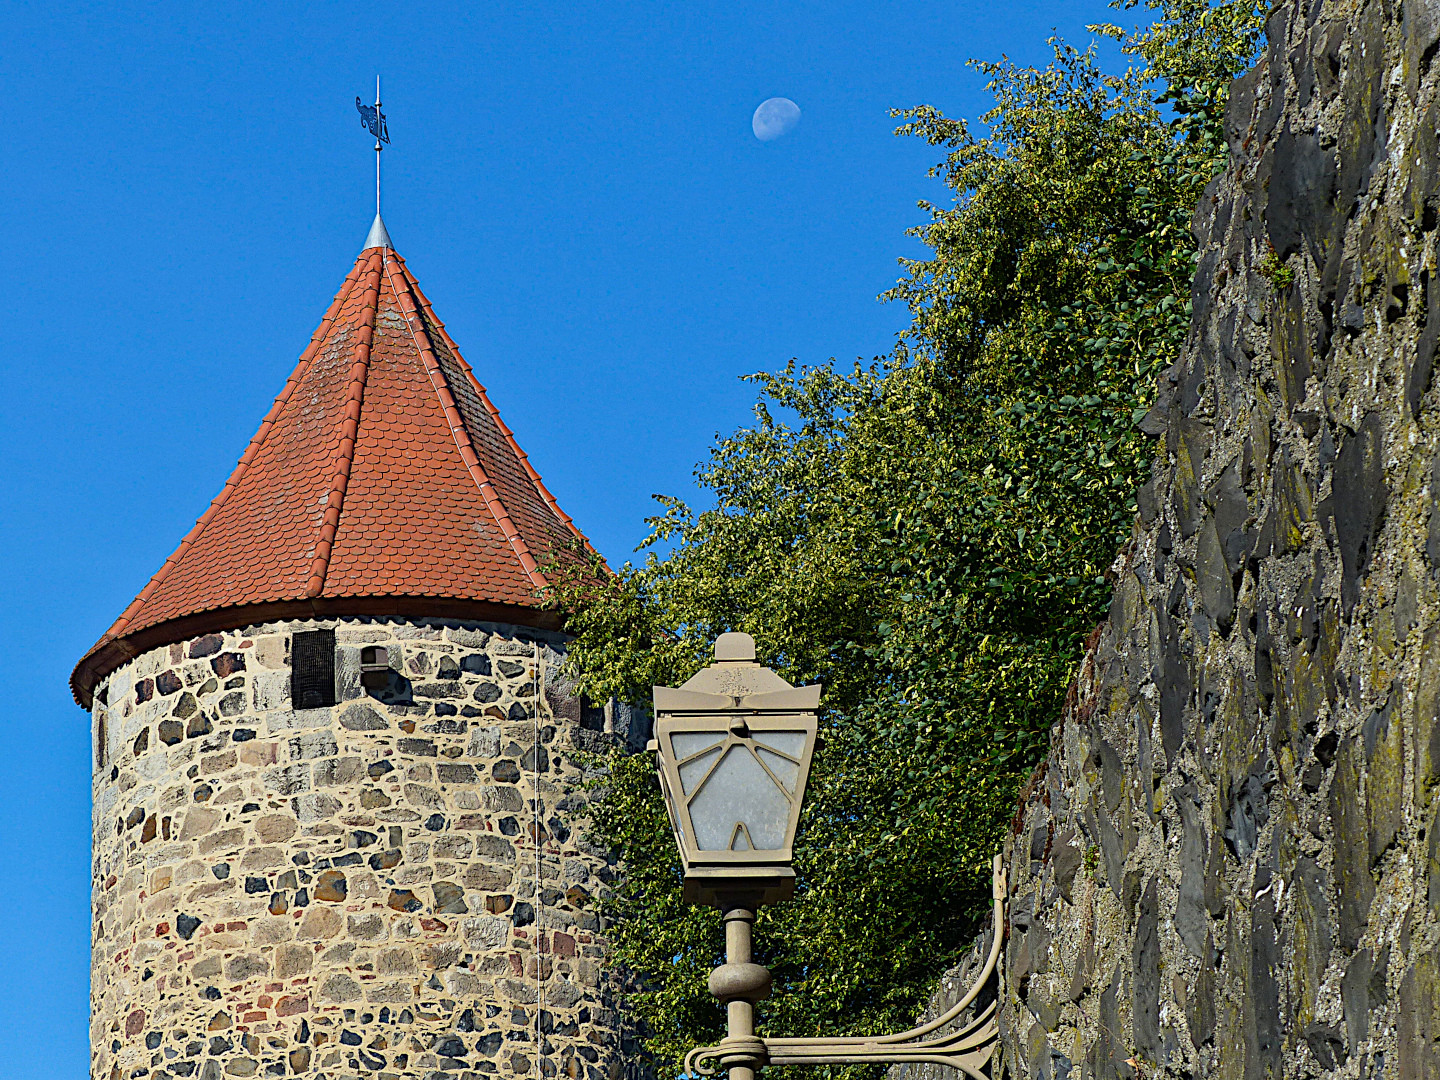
[338, 813]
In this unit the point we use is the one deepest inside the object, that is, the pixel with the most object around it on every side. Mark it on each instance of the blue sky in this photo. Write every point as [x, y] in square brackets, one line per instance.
[577, 188]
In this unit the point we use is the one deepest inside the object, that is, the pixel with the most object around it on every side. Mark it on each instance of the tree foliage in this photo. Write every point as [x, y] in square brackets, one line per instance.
[926, 535]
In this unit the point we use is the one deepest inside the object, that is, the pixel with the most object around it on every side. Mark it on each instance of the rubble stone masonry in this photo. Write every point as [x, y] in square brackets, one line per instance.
[396, 886]
[1229, 866]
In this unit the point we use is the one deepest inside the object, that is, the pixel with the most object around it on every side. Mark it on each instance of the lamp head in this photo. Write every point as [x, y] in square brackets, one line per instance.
[733, 750]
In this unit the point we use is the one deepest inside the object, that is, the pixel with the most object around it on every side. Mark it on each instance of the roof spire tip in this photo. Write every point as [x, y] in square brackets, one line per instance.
[378, 236]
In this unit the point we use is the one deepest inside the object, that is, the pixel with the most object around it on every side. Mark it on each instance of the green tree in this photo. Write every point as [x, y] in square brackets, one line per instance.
[927, 535]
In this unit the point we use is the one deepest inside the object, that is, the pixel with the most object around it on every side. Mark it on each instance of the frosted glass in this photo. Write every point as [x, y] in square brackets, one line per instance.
[739, 791]
[689, 743]
[693, 771]
[789, 743]
[785, 770]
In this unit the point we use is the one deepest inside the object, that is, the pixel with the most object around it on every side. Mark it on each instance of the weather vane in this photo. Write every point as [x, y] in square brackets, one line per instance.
[373, 121]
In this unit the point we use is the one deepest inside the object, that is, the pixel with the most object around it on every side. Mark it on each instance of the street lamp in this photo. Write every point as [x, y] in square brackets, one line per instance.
[735, 744]
[733, 748]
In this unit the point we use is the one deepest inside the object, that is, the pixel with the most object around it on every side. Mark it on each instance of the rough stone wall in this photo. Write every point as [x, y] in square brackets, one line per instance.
[1230, 864]
[396, 886]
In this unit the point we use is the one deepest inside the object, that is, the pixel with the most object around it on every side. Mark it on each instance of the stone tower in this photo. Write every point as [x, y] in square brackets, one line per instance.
[338, 824]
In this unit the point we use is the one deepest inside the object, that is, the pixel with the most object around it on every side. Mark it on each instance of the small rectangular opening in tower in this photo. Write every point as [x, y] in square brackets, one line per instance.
[312, 669]
[592, 716]
[374, 667]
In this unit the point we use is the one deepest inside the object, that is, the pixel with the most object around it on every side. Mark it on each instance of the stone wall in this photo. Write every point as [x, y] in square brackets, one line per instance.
[398, 886]
[1228, 866]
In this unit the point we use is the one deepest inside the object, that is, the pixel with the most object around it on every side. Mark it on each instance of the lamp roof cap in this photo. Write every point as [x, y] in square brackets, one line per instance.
[735, 647]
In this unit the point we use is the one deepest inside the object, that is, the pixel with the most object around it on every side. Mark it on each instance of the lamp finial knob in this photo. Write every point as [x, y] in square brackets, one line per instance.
[735, 647]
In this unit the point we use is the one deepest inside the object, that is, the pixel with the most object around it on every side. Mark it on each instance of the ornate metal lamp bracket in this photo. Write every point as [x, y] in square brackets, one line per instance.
[740, 983]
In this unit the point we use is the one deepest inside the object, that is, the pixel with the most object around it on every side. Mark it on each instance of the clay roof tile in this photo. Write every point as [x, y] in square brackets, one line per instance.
[382, 470]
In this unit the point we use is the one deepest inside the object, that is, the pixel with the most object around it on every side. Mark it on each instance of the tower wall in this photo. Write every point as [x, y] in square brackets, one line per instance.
[348, 890]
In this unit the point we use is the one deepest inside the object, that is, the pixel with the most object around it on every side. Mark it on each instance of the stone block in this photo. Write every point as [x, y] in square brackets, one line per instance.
[321, 923]
[502, 799]
[1353, 879]
[287, 780]
[455, 773]
[283, 721]
[270, 690]
[395, 962]
[314, 807]
[1384, 780]
[484, 742]
[315, 744]
[1358, 503]
[227, 840]
[486, 932]
[242, 968]
[341, 988]
[198, 821]
[270, 651]
[339, 772]
[369, 927]
[425, 798]
[264, 858]
[275, 828]
[393, 993]
[1312, 941]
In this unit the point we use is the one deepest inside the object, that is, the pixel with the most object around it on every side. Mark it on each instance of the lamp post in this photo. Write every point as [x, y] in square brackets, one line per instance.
[733, 748]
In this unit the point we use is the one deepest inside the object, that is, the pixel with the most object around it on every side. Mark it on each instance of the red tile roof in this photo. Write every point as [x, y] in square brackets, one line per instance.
[382, 481]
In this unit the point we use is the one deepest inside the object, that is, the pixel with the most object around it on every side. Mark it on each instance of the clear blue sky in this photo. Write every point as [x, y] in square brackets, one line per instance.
[577, 188]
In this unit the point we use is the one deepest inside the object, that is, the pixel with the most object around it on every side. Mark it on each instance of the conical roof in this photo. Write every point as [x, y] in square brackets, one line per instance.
[382, 481]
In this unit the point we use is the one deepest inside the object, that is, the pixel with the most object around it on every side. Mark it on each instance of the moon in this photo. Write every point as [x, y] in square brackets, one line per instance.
[776, 116]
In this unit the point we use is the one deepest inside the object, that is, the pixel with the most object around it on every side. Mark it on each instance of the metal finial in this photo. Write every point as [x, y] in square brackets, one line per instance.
[378, 235]
[378, 147]
[373, 120]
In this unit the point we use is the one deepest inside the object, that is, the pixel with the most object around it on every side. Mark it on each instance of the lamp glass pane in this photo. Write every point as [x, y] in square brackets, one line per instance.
[739, 792]
[688, 743]
[785, 770]
[789, 743]
[694, 770]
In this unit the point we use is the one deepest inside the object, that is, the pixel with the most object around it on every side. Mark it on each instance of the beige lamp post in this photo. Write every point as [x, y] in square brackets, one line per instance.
[733, 748]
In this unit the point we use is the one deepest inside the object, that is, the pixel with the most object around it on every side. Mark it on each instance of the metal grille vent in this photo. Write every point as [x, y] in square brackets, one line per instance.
[312, 669]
